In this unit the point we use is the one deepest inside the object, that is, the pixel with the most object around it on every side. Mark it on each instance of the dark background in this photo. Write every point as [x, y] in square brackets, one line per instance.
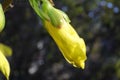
[36, 56]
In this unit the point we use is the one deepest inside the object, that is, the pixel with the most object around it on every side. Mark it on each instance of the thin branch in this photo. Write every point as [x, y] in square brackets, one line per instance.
[6, 4]
[51, 2]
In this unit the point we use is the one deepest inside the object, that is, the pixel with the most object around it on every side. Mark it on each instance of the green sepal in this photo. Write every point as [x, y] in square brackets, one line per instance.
[36, 6]
[57, 17]
[67, 19]
[47, 12]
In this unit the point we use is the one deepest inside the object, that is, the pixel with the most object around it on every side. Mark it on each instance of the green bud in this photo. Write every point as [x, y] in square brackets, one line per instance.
[2, 18]
[46, 11]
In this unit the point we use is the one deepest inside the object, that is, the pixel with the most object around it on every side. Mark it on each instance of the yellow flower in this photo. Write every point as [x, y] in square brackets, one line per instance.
[2, 18]
[57, 24]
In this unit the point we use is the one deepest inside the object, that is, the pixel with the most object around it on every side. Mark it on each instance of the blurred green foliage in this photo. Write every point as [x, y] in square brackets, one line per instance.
[36, 56]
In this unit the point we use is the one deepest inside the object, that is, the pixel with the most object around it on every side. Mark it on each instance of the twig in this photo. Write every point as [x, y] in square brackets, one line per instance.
[6, 4]
[51, 2]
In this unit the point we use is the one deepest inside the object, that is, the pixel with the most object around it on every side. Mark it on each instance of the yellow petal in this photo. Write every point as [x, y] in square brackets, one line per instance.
[6, 50]
[70, 44]
[4, 66]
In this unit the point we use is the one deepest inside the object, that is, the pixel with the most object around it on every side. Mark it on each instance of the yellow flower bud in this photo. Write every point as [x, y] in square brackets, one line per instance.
[70, 44]
[4, 66]
[2, 18]
[57, 24]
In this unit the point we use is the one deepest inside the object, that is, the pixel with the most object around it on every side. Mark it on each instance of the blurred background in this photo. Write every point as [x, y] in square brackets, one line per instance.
[36, 56]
